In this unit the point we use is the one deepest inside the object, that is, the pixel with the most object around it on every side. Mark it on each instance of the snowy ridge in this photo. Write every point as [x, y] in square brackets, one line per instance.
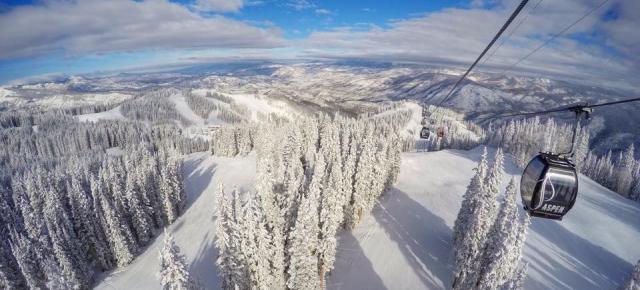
[256, 104]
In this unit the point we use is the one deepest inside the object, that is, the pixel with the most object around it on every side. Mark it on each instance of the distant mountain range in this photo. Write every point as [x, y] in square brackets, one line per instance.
[326, 86]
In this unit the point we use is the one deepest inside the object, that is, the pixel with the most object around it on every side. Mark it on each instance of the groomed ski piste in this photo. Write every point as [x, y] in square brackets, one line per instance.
[405, 243]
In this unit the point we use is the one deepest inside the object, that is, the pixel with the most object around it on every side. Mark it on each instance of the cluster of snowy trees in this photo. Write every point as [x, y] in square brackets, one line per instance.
[220, 97]
[80, 198]
[621, 174]
[153, 106]
[200, 105]
[315, 176]
[14, 119]
[488, 236]
[63, 220]
[232, 141]
[227, 111]
[21, 145]
[525, 138]
[33, 117]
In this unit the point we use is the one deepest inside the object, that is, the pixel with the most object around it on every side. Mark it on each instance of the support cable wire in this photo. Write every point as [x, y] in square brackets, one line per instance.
[572, 108]
[555, 36]
[495, 38]
[506, 38]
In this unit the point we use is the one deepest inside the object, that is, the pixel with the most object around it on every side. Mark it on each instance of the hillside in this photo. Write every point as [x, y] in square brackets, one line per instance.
[271, 87]
[404, 243]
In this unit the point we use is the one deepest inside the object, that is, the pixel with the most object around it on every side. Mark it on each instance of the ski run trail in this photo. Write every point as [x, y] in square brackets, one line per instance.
[405, 242]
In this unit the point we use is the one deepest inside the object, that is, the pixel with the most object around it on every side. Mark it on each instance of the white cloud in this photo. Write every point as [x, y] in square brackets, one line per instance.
[459, 35]
[95, 26]
[322, 11]
[219, 5]
[300, 4]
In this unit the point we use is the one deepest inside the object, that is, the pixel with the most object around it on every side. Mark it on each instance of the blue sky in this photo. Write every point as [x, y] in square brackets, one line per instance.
[84, 36]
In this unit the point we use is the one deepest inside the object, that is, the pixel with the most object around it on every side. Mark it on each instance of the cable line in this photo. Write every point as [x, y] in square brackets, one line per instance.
[511, 32]
[504, 27]
[555, 35]
[573, 108]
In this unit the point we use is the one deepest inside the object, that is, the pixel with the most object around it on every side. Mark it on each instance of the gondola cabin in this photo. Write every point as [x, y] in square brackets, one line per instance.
[549, 186]
[424, 133]
[440, 132]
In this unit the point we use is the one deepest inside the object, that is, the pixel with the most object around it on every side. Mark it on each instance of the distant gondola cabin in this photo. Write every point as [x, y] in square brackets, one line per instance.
[424, 133]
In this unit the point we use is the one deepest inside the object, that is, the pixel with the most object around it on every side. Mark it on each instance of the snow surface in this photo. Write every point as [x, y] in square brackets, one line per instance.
[405, 242]
[183, 108]
[113, 114]
[194, 230]
[5, 94]
[254, 103]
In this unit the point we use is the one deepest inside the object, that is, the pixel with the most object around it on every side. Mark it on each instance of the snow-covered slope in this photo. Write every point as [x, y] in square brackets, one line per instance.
[113, 114]
[183, 108]
[405, 242]
[256, 104]
[194, 230]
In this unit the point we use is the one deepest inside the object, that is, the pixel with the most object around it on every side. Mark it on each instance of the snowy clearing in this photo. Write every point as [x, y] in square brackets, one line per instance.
[194, 230]
[183, 108]
[113, 114]
[254, 104]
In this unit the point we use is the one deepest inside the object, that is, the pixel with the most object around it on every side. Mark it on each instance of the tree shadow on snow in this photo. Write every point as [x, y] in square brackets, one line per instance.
[474, 154]
[198, 180]
[423, 237]
[203, 267]
[570, 261]
[350, 253]
[617, 207]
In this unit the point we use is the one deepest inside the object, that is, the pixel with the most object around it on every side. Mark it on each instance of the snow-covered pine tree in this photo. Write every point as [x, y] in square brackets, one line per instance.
[482, 215]
[467, 240]
[224, 260]
[633, 282]
[66, 246]
[332, 200]
[497, 263]
[582, 148]
[173, 274]
[350, 158]
[120, 238]
[303, 251]
[363, 177]
[469, 200]
[87, 226]
[625, 171]
[271, 233]
[24, 252]
[142, 222]
[516, 282]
